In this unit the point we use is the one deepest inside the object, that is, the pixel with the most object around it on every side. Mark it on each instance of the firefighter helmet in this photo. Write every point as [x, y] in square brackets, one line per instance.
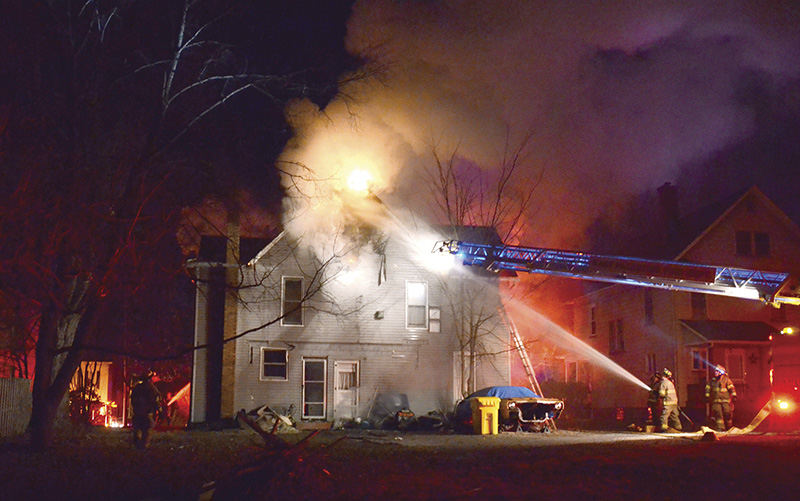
[719, 370]
[666, 372]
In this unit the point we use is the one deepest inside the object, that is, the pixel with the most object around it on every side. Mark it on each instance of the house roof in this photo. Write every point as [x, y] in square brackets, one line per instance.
[723, 330]
[699, 223]
[476, 234]
[213, 248]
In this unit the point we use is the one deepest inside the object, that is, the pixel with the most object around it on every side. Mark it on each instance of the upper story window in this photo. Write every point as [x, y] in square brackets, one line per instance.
[616, 338]
[752, 243]
[650, 363]
[416, 305]
[592, 321]
[292, 301]
[273, 364]
[648, 306]
[699, 357]
[699, 305]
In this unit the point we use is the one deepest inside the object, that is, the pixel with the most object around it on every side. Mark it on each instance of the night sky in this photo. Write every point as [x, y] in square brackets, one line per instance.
[617, 99]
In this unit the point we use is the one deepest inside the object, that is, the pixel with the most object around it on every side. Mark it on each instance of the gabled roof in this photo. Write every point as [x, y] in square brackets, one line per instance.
[732, 331]
[700, 223]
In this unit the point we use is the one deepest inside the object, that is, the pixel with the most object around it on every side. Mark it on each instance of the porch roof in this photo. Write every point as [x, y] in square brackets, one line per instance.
[731, 331]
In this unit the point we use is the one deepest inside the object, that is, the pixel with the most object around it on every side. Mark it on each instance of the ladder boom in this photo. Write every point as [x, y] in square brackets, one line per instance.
[773, 287]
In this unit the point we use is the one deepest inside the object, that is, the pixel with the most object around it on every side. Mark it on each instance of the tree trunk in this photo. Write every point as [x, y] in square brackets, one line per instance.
[51, 380]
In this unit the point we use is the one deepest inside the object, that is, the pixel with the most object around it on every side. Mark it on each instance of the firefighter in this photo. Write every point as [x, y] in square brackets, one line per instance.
[653, 408]
[720, 395]
[145, 404]
[668, 399]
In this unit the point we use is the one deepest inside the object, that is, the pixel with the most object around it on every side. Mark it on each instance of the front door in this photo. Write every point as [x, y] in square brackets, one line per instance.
[345, 390]
[314, 388]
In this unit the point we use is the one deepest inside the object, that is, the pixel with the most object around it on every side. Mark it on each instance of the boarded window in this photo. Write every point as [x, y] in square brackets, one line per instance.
[273, 363]
[291, 304]
[416, 305]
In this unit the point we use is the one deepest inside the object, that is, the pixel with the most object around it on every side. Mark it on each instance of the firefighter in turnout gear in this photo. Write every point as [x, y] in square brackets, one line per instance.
[146, 405]
[668, 398]
[720, 394]
[653, 407]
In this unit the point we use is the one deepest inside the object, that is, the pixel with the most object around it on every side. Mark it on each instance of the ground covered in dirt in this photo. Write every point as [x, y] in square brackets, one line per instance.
[367, 464]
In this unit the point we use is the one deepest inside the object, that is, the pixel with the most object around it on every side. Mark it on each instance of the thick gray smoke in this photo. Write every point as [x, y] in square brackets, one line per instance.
[617, 99]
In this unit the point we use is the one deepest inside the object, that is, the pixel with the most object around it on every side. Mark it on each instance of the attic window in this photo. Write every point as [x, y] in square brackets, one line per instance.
[752, 243]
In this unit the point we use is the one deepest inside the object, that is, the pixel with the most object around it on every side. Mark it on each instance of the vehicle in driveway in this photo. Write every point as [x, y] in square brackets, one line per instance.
[520, 409]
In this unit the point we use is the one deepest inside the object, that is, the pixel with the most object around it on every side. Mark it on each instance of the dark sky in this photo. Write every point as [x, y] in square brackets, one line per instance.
[619, 98]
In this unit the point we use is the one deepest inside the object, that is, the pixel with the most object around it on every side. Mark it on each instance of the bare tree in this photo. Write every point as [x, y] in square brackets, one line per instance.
[496, 200]
[106, 138]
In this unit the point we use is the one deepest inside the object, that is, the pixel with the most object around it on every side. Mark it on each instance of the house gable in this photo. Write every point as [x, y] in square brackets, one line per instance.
[753, 214]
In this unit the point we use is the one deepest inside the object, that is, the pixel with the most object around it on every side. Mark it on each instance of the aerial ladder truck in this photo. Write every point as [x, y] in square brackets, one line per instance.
[772, 287]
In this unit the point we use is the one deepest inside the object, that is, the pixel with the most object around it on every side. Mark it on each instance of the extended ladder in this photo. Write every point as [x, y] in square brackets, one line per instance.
[526, 361]
[769, 286]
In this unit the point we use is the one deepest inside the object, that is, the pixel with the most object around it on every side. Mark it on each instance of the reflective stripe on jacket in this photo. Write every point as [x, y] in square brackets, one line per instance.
[720, 389]
[666, 390]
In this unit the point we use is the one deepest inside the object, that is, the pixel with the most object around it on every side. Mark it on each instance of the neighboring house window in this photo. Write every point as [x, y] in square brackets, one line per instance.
[416, 305]
[291, 304]
[650, 363]
[648, 306]
[761, 244]
[752, 243]
[593, 321]
[743, 245]
[699, 358]
[616, 339]
[699, 307]
[572, 372]
[273, 364]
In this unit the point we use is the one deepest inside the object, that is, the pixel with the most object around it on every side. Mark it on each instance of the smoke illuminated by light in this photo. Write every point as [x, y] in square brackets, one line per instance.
[359, 180]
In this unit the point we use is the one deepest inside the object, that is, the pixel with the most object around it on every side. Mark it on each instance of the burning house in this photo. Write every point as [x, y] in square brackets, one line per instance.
[325, 336]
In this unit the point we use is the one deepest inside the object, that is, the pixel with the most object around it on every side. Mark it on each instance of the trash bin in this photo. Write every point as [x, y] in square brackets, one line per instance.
[484, 415]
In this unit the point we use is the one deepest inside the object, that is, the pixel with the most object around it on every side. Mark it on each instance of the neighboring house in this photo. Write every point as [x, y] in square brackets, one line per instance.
[645, 329]
[328, 338]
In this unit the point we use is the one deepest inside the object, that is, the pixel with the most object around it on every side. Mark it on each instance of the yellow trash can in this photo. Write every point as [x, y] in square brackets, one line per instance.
[485, 411]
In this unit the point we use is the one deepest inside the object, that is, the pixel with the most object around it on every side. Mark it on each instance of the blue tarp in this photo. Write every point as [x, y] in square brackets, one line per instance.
[505, 392]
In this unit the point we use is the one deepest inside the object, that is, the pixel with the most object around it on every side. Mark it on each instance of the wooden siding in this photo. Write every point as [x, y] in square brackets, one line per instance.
[666, 337]
[390, 356]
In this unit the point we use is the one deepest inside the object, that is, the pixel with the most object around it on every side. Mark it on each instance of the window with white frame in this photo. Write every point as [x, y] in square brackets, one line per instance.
[416, 305]
[292, 301]
[274, 363]
[572, 372]
[699, 357]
